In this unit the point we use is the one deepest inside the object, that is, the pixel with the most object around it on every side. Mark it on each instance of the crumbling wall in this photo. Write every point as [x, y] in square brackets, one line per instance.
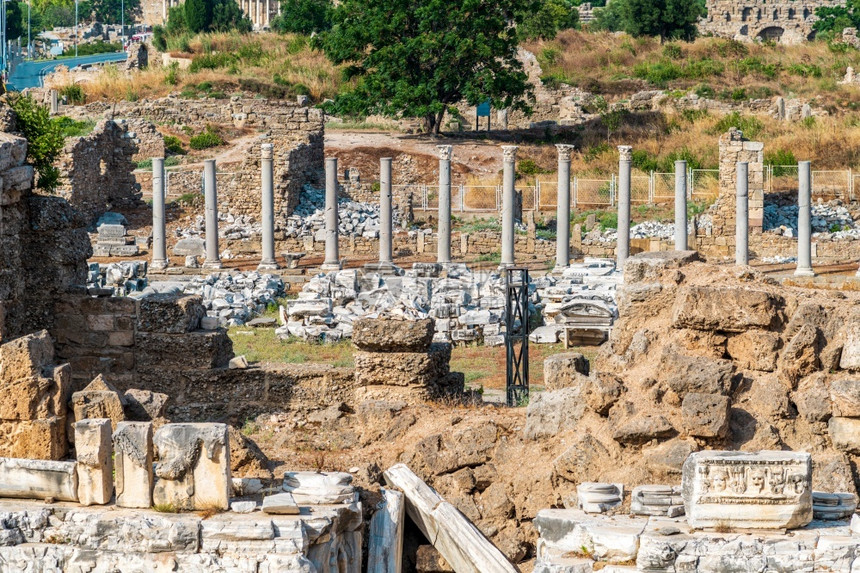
[96, 170]
[784, 21]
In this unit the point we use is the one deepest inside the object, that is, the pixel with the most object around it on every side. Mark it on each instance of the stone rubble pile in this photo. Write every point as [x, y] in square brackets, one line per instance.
[124, 278]
[230, 227]
[234, 299]
[355, 218]
[113, 239]
[643, 230]
[831, 218]
[468, 306]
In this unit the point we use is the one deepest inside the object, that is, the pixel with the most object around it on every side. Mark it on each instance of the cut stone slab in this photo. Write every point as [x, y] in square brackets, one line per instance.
[462, 545]
[385, 546]
[132, 442]
[143, 405]
[190, 247]
[608, 539]
[389, 335]
[319, 488]
[729, 309]
[38, 479]
[845, 434]
[748, 490]
[845, 397]
[705, 415]
[44, 439]
[850, 359]
[98, 400]
[95, 461]
[280, 504]
[243, 506]
[238, 363]
[402, 368]
[170, 313]
[26, 357]
[193, 467]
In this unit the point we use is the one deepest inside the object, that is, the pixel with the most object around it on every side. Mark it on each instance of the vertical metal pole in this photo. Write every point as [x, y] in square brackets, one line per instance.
[76, 28]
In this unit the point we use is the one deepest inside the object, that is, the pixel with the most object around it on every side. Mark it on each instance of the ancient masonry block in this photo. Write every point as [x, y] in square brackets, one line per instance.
[764, 490]
[38, 479]
[132, 443]
[194, 466]
[95, 463]
[784, 21]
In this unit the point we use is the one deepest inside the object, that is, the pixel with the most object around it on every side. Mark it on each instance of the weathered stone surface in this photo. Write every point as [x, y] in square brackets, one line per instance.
[730, 309]
[642, 429]
[575, 462]
[570, 531]
[705, 415]
[43, 439]
[385, 545]
[768, 490]
[560, 369]
[685, 374]
[812, 398]
[549, 413]
[754, 350]
[668, 458]
[460, 543]
[98, 400]
[26, 357]
[280, 504]
[193, 466]
[143, 405]
[851, 349]
[169, 313]
[190, 247]
[594, 497]
[38, 479]
[799, 358]
[845, 434]
[315, 488]
[95, 461]
[402, 368]
[202, 349]
[389, 335]
[132, 442]
[649, 266]
[845, 396]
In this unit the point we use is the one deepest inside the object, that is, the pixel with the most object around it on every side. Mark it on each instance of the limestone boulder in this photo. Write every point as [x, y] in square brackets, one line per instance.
[26, 357]
[813, 399]
[754, 350]
[98, 400]
[246, 457]
[650, 266]
[578, 462]
[705, 415]
[560, 369]
[683, 374]
[642, 429]
[667, 458]
[845, 397]
[170, 313]
[144, 405]
[390, 335]
[549, 413]
[799, 358]
[729, 309]
[845, 434]
[850, 359]
[402, 368]
[43, 439]
[200, 349]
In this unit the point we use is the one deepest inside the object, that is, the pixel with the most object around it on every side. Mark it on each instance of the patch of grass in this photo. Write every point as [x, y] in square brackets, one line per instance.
[490, 258]
[75, 128]
[358, 125]
[477, 225]
[165, 508]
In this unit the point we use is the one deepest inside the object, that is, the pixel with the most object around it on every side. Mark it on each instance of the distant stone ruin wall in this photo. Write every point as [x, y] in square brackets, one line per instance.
[43, 246]
[296, 132]
[96, 169]
[784, 21]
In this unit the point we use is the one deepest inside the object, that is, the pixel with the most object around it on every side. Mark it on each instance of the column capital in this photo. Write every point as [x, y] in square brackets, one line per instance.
[267, 150]
[510, 152]
[625, 152]
[564, 151]
[445, 152]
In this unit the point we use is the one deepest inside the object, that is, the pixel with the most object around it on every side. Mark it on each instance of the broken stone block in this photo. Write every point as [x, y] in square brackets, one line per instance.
[238, 363]
[388, 335]
[132, 442]
[642, 429]
[570, 531]
[696, 374]
[243, 506]
[748, 490]
[280, 504]
[202, 349]
[558, 369]
[402, 368]
[833, 506]
[95, 462]
[754, 350]
[729, 309]
[190, 247]
[319, 488]
[43, 439]
[705, 415]
[850, 359]
[845, 434]
[598, 497]
[194, 466]
[143, 405]
[657, 500]
[385, 546]
[170, 313]
[38, 479]
[26, 357]
[98, 400]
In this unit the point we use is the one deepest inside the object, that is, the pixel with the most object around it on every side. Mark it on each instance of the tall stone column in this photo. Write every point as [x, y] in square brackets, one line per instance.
[159, 249]
[742, 214]
[508, 200]
[385, 221]
[625, 166]
[268, 12]
[332, 257]
[681, 206]
[562, 233]
[443, 250]
[804, 221]
[268, 262]
[213, 258]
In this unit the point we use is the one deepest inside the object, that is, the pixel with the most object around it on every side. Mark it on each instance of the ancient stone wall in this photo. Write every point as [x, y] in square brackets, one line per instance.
[96, 169]
[296, 132]
[784, 21]
[43, 246]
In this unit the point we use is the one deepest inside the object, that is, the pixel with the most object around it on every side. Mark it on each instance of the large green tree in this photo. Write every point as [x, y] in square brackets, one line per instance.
[16, 24]
[110, 11]
[550, 18]
[303, 16]
[417, 57]
[664, 18]
[198, 15]
[833, 19]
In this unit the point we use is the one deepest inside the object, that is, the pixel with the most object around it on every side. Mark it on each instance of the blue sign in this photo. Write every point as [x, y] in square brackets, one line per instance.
[484, 109]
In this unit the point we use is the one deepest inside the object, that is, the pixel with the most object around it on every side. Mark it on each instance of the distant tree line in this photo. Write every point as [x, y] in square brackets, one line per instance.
[665, 19]
[832, 20]
[48, 14]
[196, 16]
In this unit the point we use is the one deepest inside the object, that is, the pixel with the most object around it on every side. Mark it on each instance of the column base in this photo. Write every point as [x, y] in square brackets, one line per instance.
[385, 269]
[807, 272]
[268, 266]
[212, 265]
[159, 264]
[330, 267]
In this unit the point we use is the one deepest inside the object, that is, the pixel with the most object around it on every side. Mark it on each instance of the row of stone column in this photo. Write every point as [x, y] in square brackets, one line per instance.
[258, 11]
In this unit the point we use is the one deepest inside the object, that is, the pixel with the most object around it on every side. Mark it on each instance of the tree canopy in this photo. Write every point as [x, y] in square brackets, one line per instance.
[666, 19]
[833, 19]
[418, 57]
[303, 16]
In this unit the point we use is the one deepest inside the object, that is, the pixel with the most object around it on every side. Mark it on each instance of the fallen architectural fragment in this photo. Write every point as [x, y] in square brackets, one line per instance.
[95, 462]
[132, 443]
[318, 488]
[461, 543]
[385, 543]
[38, 479]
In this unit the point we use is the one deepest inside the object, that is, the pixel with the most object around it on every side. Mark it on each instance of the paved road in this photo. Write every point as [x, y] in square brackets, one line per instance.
[29, 74]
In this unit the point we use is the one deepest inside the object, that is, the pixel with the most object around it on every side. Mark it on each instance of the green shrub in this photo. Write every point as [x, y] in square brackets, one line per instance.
[208, 138]
[643, 161]
[608, 220]
[265, 89]
[704, 90]
[44, 139]
[212, 61]
[673, 52]
[693, 115]
[751, 126]
[74, 94]
[739, 94]
[529, 167]
[702, 69]
[805, 70]
[667, 164]
[172, 77]
[73, 128]
[172, 144]
[780, 157]
[90, 48]
[658, 73]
